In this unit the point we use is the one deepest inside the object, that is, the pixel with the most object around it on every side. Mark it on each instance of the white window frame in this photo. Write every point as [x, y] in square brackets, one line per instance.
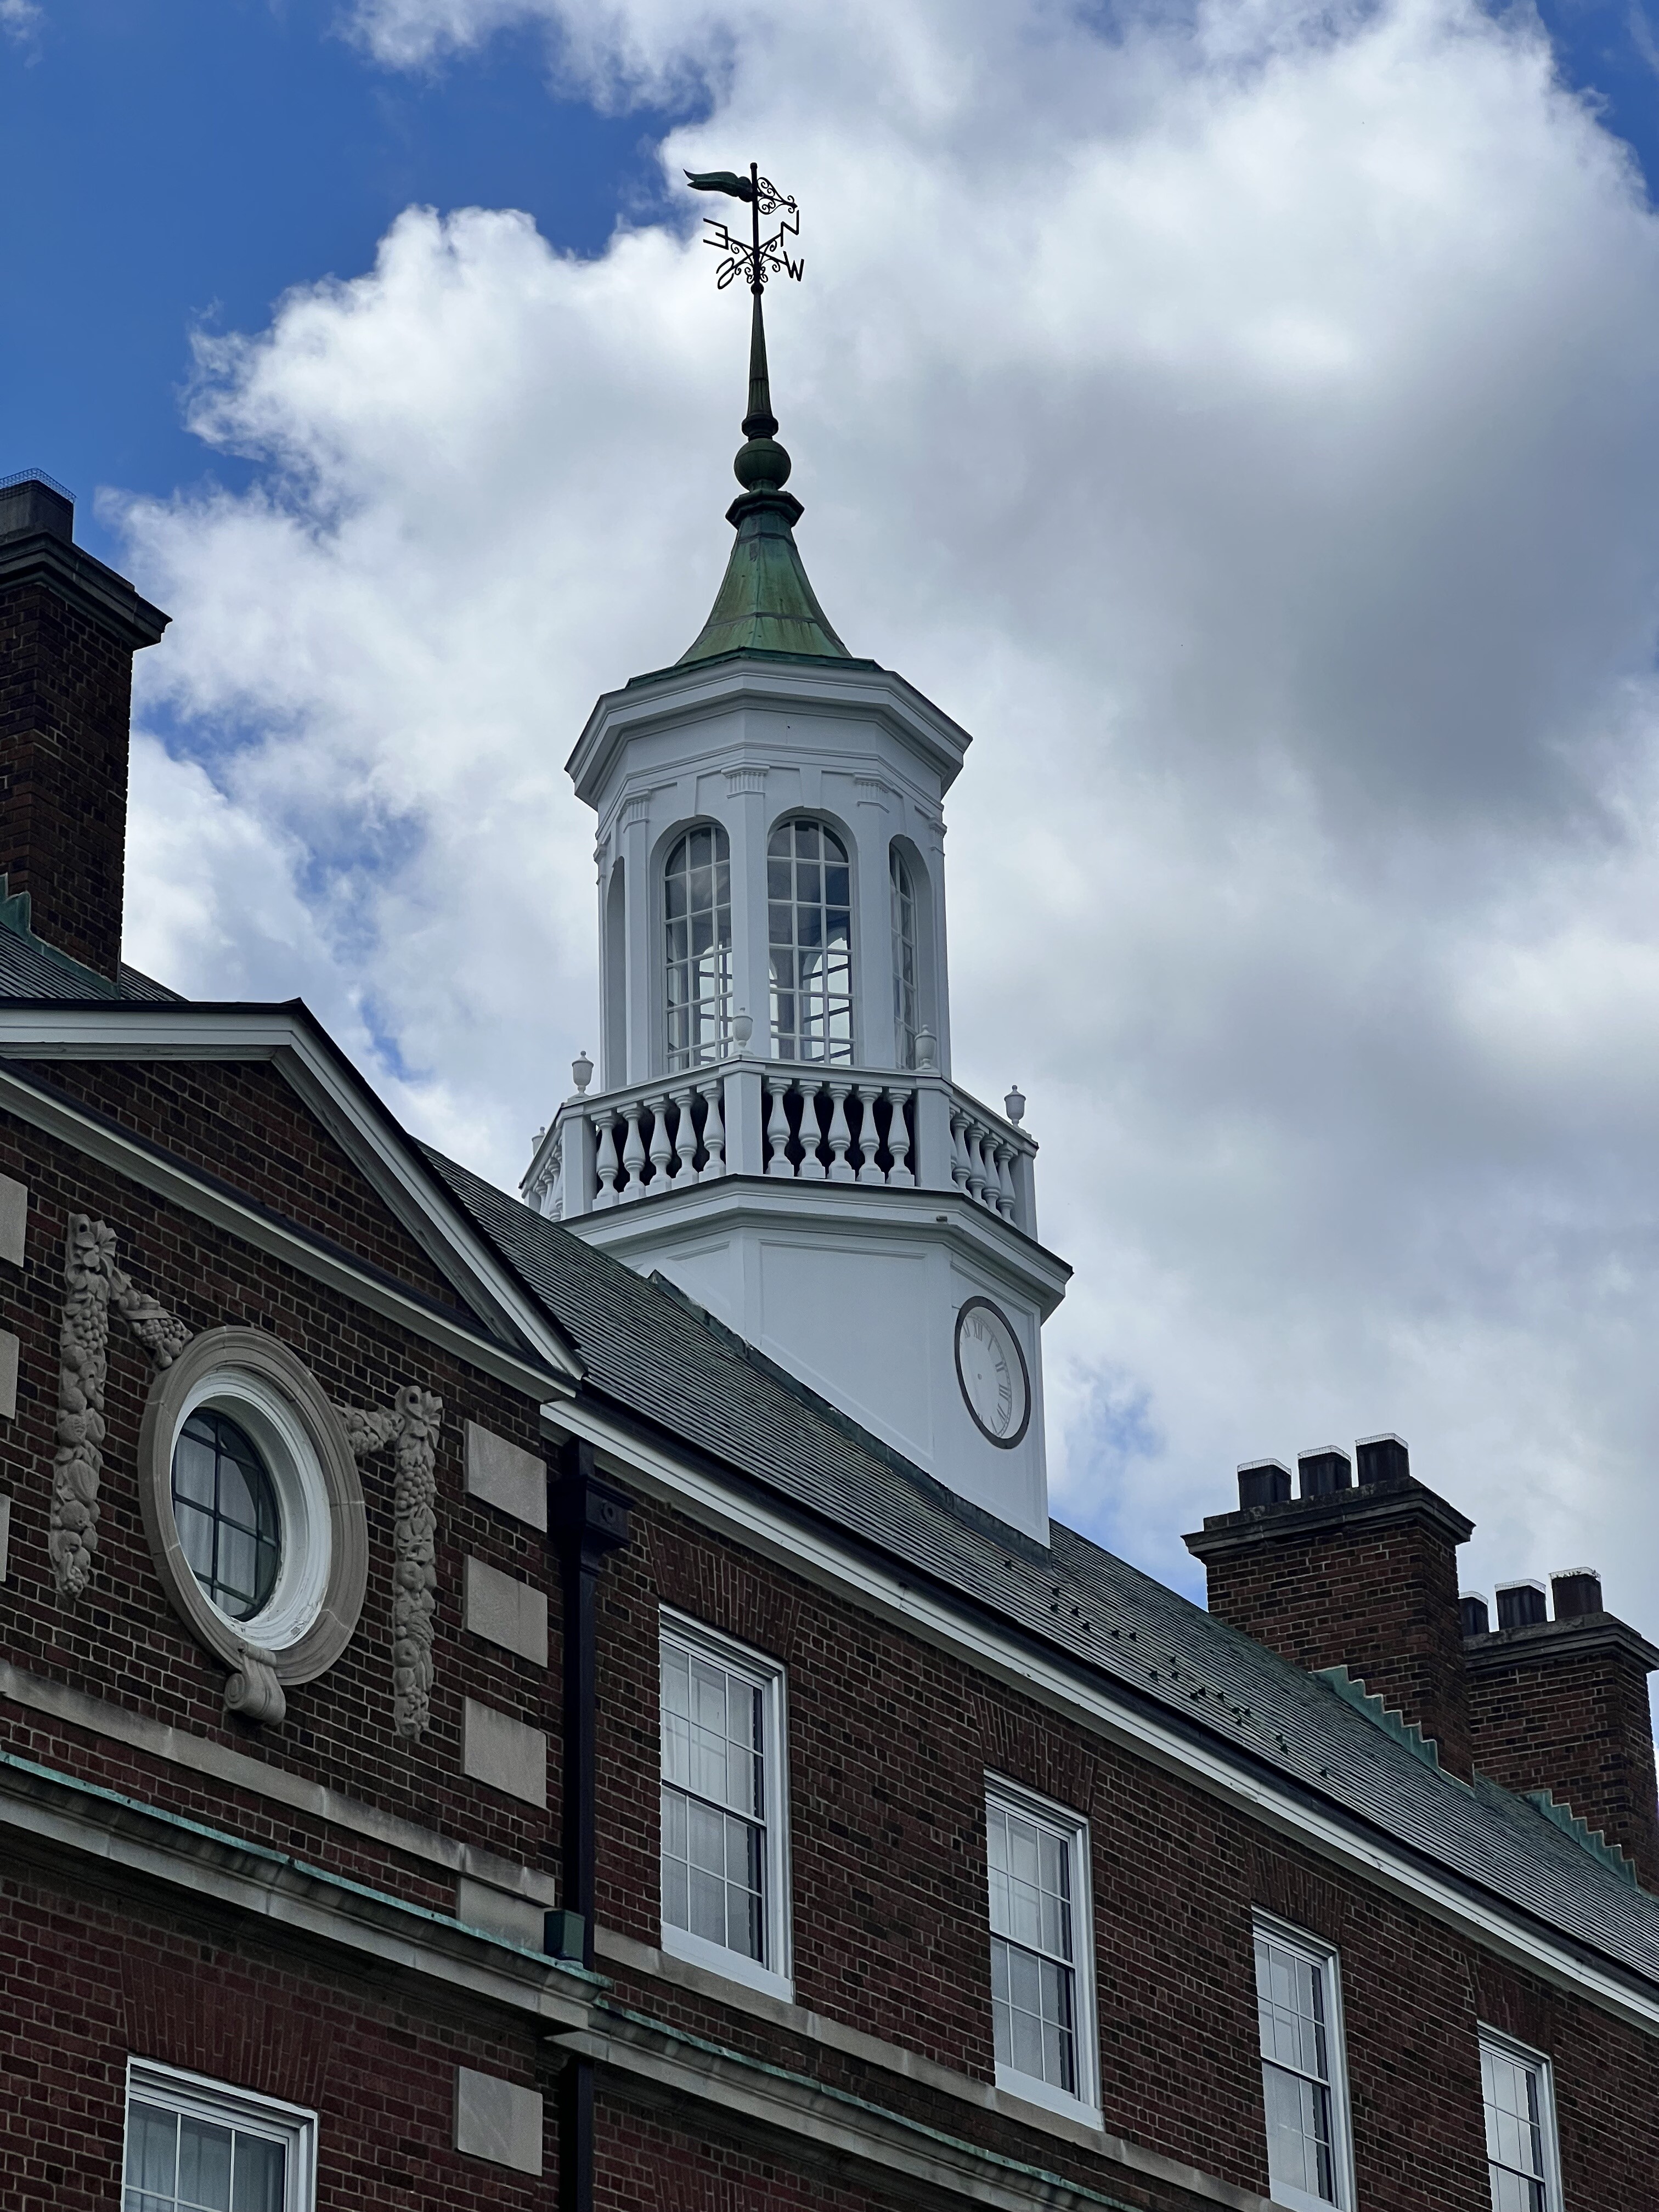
[1325, 1957]
[774, 1979]
[1073, 1830]
[1522, 2054]
[195, 2096]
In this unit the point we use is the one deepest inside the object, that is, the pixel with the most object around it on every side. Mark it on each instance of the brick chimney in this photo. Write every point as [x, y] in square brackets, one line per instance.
[1356, 1574]
[1561, 1705]
[69, 629]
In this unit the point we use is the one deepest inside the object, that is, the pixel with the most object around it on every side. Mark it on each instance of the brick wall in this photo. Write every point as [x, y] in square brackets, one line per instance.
[65, 703]
[889, 1741]
[1365, 1579]
[93, 1979]
[1563, 1707]
[123, 1642]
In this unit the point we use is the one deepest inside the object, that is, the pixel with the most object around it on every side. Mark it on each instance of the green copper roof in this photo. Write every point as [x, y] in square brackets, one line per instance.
[765, 603]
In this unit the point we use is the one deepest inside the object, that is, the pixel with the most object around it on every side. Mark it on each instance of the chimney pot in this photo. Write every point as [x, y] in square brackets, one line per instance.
[1471, 1606]
[31, 502]
[1522, 1605]
[1263, 1482]
[1323, 1471]
[1382, 1459]
[1576, 1591]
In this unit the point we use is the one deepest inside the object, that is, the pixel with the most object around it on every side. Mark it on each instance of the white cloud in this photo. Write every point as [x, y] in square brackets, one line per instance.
[21, 21]
[1246, 423]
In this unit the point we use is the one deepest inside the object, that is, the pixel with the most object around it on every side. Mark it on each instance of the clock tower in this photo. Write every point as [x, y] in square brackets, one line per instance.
[774, 1127]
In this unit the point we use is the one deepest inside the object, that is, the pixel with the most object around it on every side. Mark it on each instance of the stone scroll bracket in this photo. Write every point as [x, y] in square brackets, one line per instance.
[93, 1284]
[410, 1427]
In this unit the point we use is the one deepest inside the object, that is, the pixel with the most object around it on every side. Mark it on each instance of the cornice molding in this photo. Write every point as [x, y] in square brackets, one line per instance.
[1375, 1505]
[57, 1819]
[98, 593]
[831, 2126]
[1554, 1643]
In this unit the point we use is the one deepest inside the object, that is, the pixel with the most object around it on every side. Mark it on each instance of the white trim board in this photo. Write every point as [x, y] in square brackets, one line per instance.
[60, 1117]
[795, 1543]
[417, 1199]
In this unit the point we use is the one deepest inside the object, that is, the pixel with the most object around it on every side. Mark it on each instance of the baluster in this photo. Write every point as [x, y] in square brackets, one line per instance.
[1004, 1153]
[958, 1147]
[554, 1206]
[975, 1162]
[841, 1136]
[662, 1149]
[898, 1137]
[811, 1136]
[634, 1153]
[713, 1131]
[607, 1166]
[869, 1135]
[777, 1128]
[685, 1135]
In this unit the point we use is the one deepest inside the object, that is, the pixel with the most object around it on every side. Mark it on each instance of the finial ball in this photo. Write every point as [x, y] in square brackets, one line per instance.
[762, 466]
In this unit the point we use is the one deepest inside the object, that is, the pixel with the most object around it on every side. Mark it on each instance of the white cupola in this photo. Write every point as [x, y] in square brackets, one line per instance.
[775, 1129]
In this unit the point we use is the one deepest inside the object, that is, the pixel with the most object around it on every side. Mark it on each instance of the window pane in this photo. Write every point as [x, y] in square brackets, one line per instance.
[697, 947]
[224, 1505]
[1513, 2094]
[810, 894]
[1290, 2012]
[1290, 2009]
[204, 2166]
[152, 2148]
[713, 1723]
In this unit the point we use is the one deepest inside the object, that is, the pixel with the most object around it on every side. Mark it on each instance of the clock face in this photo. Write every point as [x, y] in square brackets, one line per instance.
[991, 1369]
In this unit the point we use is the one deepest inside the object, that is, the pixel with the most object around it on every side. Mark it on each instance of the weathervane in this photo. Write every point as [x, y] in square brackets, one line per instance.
[756, 258]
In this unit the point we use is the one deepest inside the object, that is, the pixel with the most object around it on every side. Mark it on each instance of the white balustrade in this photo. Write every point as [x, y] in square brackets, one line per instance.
[789, 1120]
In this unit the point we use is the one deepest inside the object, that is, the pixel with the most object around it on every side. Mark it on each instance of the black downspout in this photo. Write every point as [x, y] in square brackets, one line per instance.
[587, 1518]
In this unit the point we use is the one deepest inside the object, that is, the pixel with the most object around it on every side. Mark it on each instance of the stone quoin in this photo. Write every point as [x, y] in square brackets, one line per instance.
[578, 1700]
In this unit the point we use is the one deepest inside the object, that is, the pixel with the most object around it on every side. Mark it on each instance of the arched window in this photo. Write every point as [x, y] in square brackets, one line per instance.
[809, 930]
[905, 1019]
[697, 925]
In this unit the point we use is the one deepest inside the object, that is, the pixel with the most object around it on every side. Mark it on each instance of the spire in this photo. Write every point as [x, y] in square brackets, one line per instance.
[765, 603]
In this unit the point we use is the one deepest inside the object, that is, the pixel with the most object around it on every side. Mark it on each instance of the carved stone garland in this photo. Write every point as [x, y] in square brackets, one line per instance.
[411, 1423]
[93, 1283]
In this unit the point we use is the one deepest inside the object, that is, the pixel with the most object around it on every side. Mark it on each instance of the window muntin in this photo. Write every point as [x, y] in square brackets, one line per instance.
[1302, 2080]
[1516, 2091]
[809, 911]
[905, 1019]
[225, 1506]
[197, 2145]
[723, 1841]
[697, 946]
[1042, 2000]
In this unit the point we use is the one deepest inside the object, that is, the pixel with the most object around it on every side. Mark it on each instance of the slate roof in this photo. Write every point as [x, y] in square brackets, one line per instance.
[652, 1353]
[30, 968]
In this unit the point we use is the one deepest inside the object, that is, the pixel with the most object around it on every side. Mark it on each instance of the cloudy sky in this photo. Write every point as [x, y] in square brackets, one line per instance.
[1244, 417]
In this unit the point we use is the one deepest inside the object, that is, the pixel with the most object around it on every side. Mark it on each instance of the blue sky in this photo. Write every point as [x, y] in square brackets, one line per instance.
[1244, 419]
[175, 164]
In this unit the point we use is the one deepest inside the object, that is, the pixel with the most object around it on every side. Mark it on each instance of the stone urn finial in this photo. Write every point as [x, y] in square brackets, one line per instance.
[582, 1071]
